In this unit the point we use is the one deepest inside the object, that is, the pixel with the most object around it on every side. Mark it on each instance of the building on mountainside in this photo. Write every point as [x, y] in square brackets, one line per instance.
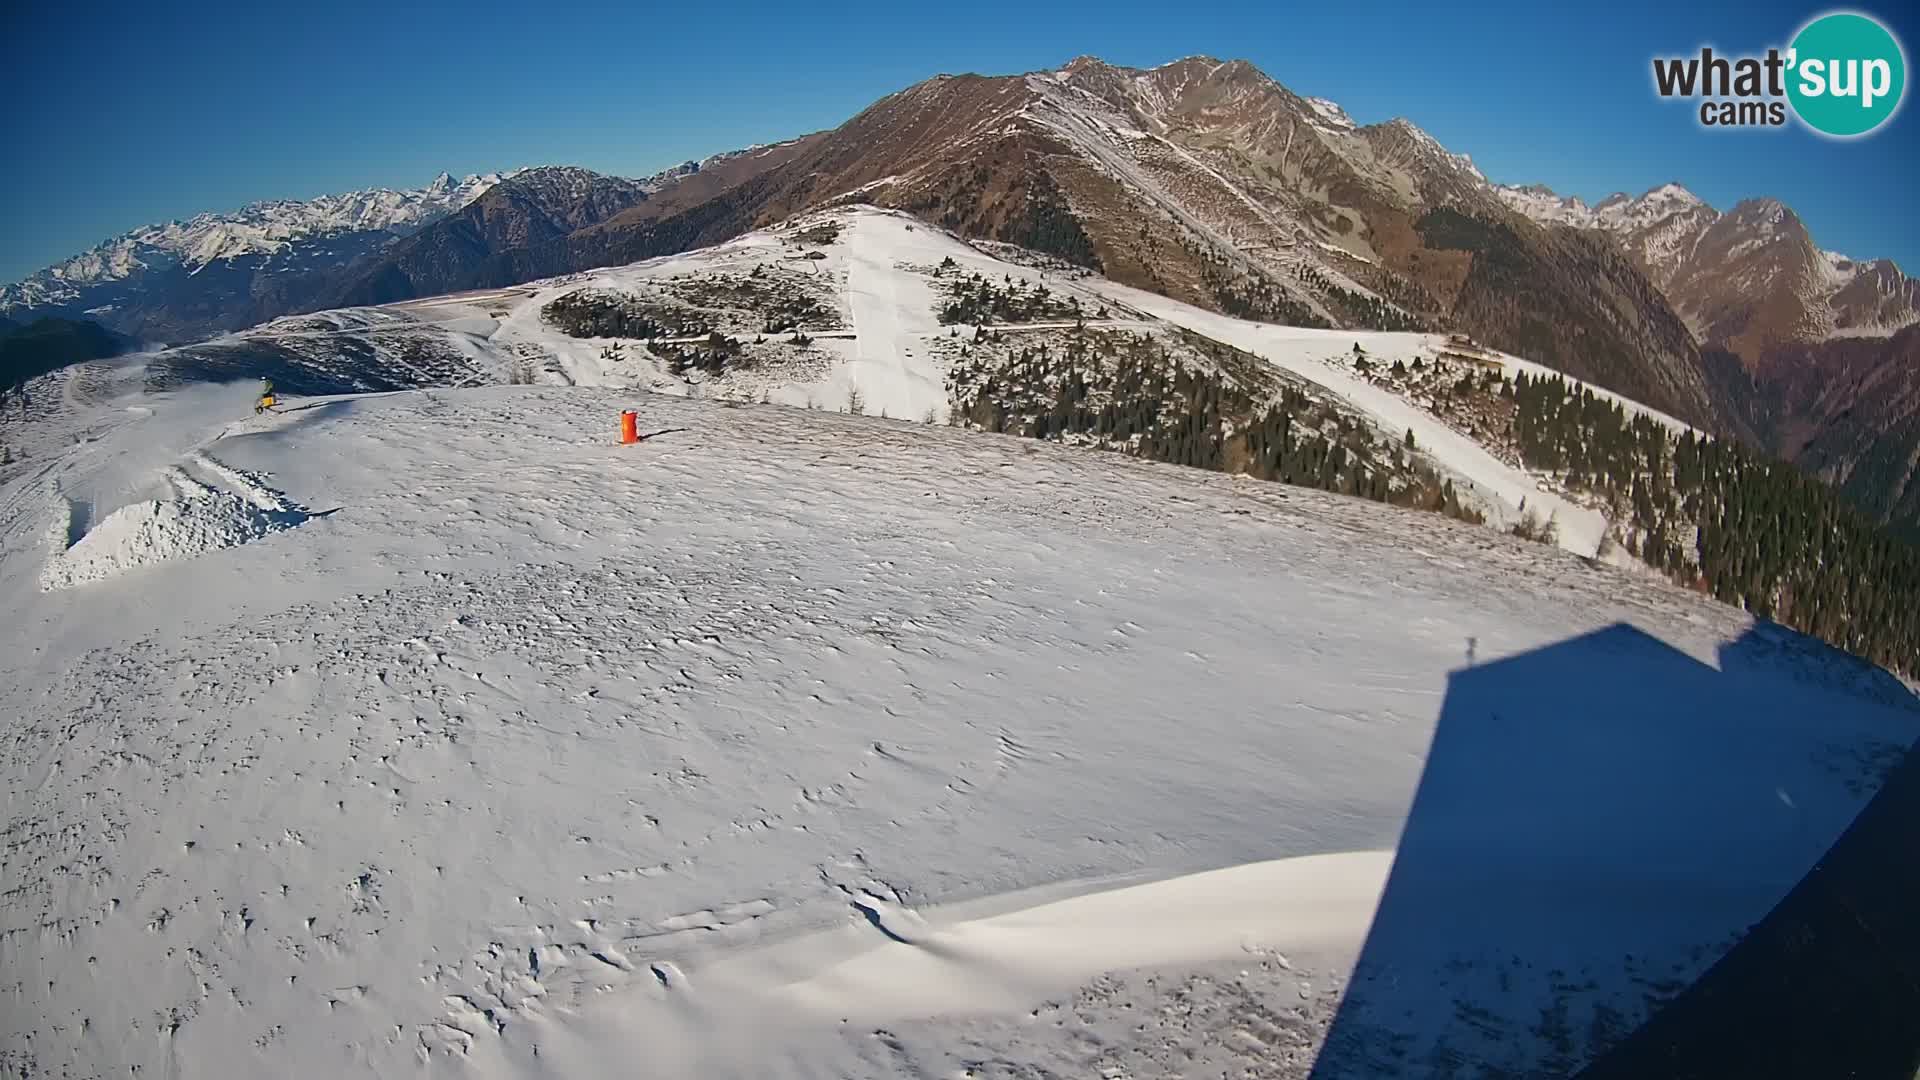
[1473, 360]
[1462, 349]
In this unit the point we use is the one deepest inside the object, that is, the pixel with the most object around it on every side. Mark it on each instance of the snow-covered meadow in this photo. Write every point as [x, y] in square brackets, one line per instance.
[791, 743]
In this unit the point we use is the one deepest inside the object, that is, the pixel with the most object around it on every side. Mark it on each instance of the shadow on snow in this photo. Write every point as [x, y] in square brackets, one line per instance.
[1597, 821]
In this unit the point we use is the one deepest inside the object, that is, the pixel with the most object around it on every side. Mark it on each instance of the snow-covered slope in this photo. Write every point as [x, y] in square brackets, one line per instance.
[789, 743]
[1500, 488]
[874, 274]
[882, 345]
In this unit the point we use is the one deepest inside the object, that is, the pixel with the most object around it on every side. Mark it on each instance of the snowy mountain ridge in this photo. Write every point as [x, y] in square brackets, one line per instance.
[1209, 182]
[1616, 211]
[1756, 262]
[262, 228]
[225, 270]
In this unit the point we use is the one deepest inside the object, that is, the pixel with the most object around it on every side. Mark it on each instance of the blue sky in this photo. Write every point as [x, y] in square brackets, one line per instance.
[122, 114]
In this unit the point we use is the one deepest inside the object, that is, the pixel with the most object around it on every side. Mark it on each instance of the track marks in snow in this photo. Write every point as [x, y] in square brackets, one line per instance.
[630, 874]
[1256, 1016]
[250, 486]
[703, 921]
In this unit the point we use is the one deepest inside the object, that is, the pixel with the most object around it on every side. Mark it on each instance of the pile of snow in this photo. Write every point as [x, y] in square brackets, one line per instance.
[200, 519]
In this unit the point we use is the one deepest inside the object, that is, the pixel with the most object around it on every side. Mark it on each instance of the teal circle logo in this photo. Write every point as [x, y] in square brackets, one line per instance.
[1847, 74]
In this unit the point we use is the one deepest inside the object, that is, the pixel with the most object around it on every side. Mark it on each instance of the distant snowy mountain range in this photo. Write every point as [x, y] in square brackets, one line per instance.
[215, 272]
[1750, 277]
[267, 229]
[1616, 211]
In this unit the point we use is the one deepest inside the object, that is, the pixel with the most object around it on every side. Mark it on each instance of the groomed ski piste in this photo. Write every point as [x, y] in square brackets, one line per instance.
[436, 733]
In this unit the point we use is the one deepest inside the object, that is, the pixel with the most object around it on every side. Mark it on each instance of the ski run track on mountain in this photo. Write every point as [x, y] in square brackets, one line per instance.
[435, 733]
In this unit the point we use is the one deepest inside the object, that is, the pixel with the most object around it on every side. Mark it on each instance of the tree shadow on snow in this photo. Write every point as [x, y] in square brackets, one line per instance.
[1597, 821]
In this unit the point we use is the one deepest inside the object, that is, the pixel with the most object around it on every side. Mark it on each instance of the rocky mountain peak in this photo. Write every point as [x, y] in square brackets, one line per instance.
[1081, 65]
[1673, 193]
